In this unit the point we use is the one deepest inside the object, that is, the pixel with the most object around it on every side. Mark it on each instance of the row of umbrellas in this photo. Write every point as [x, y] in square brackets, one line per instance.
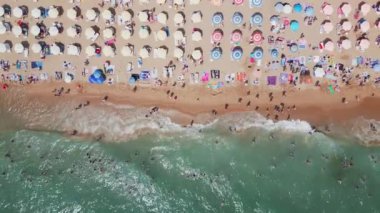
[54, 49]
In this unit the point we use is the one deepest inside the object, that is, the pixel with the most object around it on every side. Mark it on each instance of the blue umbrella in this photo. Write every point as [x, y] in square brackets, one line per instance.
[376, 67]
[257, 19]
[294, 25]
[274, 53]
[293, 48]
[256, 3]
[97, 77]
[309, 11]
[237, 18]
[278, 7]
[274, 20]
[297, 8]
[216, 53]
[237, 53]
[217, 18]
[257, 53]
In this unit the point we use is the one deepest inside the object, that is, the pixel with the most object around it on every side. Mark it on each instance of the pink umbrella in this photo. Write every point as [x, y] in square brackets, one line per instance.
[346, 26]
[257, 36]
[236, 36]
[346, 8]
[329, 45]
[364, 44]
[327, 9]
[217, 35]
[364, 8]
[238, 2]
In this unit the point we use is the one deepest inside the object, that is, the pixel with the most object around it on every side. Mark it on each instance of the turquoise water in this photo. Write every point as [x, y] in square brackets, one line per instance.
[210, 171]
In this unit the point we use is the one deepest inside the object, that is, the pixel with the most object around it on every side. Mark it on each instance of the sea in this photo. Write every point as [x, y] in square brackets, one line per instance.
[126, 162]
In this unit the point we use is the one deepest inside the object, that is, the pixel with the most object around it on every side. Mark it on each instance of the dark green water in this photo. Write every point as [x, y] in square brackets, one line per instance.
[210, 171]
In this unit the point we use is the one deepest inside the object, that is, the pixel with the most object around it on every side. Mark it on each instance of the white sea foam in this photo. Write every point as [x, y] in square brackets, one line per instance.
[361, 129]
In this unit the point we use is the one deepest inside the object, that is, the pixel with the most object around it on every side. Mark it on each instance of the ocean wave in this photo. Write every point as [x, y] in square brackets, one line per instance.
[367, 131]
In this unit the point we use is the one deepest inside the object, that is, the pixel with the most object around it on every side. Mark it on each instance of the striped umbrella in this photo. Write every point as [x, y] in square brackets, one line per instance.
[217, 18]
[237, 18]
[237, 53]
[236, 36]
[257, 19]
[257, 36]
[238, 2]
[293, 48]
[216, 53]
[257, 3]
[274, 53]
[257, 53]
[217, 35]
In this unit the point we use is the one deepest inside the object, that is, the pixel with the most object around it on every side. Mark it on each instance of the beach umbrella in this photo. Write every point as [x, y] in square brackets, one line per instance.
[274, 53]
[107, 14]
[35, 30]
[274, 20]
[364, 8]
[126, 34]
[238, 2]
[364, 44]
[55, 50]
[97, 77]
[36, 13]
[217, 18]
[4, 47]
[17, 12]
[327, 9]
[293, 47]
[126, 15]
[144, 52]
[309, 10]
[19, 48]
[196, 35]
[279, 7]
[346, 8]
[178, 53]
[364, 25]
[71, 32]
[257, 53]
[237, 53]
[376, 67]
[1, 11]
[127, 51]
[143, 16]
[346, 25]
[217, 35]
[178, 35]
[329, 46]
[179, 18]
[161, 35]
[36, 48]
[346, 43]
[196, 54]
[194, 2]
[89, 33]
[91, 14]
[72, 14]
[327, 26]
[108, 51]
[68, 77]
[294, 25]
[73, 50]
[216, 53]
[162, 18]
[53, 12]
[237, 18]
[16, 30]
[108, 33]
[287, 9]
[179, 2]
[144, 32]
[257, 36]
[3, 29]
[256, 3]
[196, 17]
[90, 50]
[236, 36]
[161, 53]
[53, 31]
[297, 7]
[257, 19]
[144, 1]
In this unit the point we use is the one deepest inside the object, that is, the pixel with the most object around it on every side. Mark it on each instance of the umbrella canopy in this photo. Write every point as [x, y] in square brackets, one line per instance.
[236, 35]
[279, 7]
[364, 44]
[346, 25]
[127, 51]
[376, 67]
[178, 35]
[216, 53]
[19, 48]
[196, 35]
[161, 35]
[179, 18]
[327, 26]
[53, 31]
[143, 16]
[144, 52]
[108, 51]
[90, 50]
[346, 44]
[71, 32]
[161, 53]
[287, 9]
[36, 13]
[274, 53]
[126, 34]
[16, 30]
[346, 9]
[73, 50]
[329, 46]
[3, 29]
[144, 32]
[108, 33]
[162, 18]
[238, 2]
[35, 30]
[72, 14]
[256, 3]
[107, 14]
[89, 33]
[196, 17]
[97, 77]
[178, 53]
[297, 8]
[309, 10]
[17, 12]
[126, 15]
[91, 14]
[36, 48]
[327, 9]
[53, 12]
[1, 11]
[196, 54]
[217, 18]
[237, 53]
[55, 50]
[217, 35]
[179, 2]
[274, 20]
[294, 26]
[257, 19]
[68, 77]
[237, 18]
[364, 8]
[364, 25]
[257, 36]
[194, 2]
[257, 53]
[293, 48]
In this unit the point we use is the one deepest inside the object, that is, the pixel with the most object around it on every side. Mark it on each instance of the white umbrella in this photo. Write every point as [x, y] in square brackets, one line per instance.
[161, 53]
[196, 54]
[3, 29]
[16, 30]
[53, 31]
[144, 53]
[108, 51]
[53, 12]
[329, 46]
[36, 48]
[36, 13]
[144, 1]
[89, 33]
[71, 32]
[196, 36]
[107, 14]
[19, 48]
[126, 34]
[143, 32]
[72, 14]
[365, 8]
[143, 16]
[346, 26]
[126, 51]
[162, 18]
[179, 2]
[159, 2]
[194, 2]
[35, 30]
[364, 26]
[346, 9]
[55, 50]
[108, 33]
[178, 53]
[287, 9]
[328, 10]
[72, 50]
[91, 14]
[161, 35]
[17, 12]
[364, 44]
[90, 50]
[3, 48]
[346, 44]
[196, 17]
[126, 16]
[178, 18]
[2, 11]
[178, 35]
[68, 78]
[328, 27]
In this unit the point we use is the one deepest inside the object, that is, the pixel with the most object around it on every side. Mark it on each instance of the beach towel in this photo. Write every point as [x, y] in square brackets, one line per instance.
[37, 65]
[205, 77]
[283, 78]
[271, 80]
